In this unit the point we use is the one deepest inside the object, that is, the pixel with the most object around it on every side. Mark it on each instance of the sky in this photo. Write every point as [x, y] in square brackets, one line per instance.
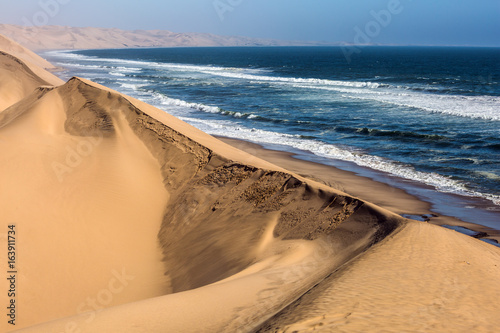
[393, 22]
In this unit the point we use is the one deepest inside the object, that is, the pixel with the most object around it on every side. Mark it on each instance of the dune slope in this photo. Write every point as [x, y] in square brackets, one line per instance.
[33, 61]
[423, 278]
[16, 80]
[88, 207]
[21, 71]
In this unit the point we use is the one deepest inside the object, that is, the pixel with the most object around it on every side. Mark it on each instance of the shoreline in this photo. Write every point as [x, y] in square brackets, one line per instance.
[382, 194]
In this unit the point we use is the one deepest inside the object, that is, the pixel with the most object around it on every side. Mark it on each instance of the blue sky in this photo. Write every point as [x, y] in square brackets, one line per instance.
[403, 22]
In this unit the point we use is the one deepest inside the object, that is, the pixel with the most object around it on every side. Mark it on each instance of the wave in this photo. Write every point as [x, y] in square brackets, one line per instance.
[154, 64]
[356, 84]
[168, 101]
[134, 86]
[160, 100]
[392, 134]
[69, 64]
[117, 73]
[86, 66]
[476, 107]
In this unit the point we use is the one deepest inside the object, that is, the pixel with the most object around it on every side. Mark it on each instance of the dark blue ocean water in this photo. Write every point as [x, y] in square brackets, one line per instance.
[419, 115]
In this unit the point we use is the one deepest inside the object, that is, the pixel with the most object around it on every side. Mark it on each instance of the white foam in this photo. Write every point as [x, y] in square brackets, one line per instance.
[76, 65]
[264, 78]
[116, 73]
[168, 101]
[132, 86]
[478, 107]
[128, 69]
[157, 65]
[161, 101]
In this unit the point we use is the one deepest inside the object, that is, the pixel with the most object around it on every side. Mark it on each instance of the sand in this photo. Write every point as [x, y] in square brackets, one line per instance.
[130, 220]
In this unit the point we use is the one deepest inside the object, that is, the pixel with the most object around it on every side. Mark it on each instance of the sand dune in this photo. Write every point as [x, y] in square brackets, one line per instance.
[59, 37]
[131, 220]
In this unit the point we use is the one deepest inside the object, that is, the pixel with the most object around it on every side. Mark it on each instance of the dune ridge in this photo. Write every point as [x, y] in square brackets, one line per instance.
[16, 80]
[132, 220]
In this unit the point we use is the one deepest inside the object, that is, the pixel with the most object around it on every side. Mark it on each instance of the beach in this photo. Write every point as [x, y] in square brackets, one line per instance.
[126, 218]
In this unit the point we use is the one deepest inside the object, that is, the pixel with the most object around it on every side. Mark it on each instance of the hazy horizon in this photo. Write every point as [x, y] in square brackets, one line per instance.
[388, 22]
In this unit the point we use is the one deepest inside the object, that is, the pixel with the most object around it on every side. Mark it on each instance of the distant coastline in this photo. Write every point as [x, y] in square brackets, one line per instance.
[71, 38]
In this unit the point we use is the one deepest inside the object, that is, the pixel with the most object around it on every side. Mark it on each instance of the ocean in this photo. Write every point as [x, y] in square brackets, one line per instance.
[425, 119]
